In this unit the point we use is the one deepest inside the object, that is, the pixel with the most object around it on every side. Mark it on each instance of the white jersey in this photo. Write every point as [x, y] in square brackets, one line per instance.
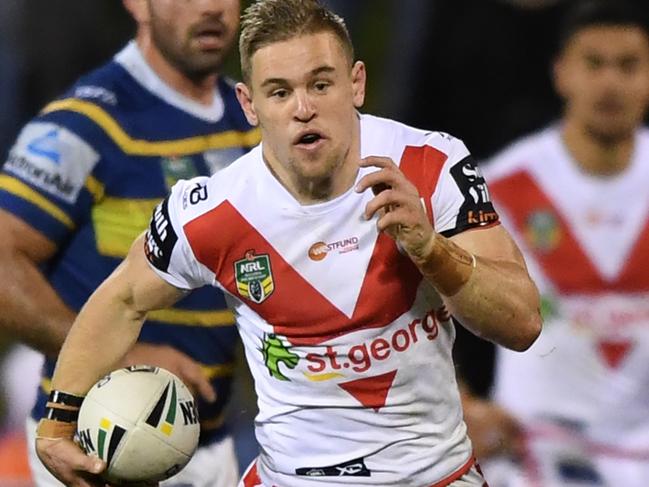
[586, 241]
[349, 347]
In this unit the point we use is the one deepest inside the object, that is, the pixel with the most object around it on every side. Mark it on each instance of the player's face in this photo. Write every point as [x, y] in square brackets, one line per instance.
[194, 35]
[304, 93]
[603, 75]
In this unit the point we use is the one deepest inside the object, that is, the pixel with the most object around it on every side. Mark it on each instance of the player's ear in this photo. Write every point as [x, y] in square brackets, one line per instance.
[359, 77]
[139, 10]
[244, 95]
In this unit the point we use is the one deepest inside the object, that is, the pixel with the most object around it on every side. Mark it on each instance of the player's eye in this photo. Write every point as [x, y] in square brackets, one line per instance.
[321, 86]
[280, 93]
[629, 65]
[593, 63]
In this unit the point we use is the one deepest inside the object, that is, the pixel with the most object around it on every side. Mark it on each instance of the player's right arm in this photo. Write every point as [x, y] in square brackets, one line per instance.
[105, 329]
[110, 322]
[158, 270]
[42, 200]
[32, 311]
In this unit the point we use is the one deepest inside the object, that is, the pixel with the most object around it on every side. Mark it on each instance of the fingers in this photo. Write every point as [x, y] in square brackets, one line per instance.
[515, 434]
[196, 379]
[396, 203]
[65, 460]
[78, 460]
[177, 362]
[392, 222]
[377, 161]
[87, 463]
[388, 176]
[389, 185]
[387, 199]
[395, 209]
[492, 430]
[88, 480]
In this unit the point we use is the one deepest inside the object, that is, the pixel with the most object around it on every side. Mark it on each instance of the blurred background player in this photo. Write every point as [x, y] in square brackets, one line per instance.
[575, 196]
[81, 181]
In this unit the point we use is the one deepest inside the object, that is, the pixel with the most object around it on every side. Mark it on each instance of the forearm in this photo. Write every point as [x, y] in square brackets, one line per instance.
[107, 326]
[32, 311]
[110, 322]
[495, 299]
[499, 303]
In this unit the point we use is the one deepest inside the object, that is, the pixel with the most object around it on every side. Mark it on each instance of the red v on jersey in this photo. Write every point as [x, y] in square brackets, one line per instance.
[563, 260]
[296, 309]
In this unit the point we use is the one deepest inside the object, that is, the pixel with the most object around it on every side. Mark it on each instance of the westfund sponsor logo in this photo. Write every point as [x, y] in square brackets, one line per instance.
[160, 238]
[319, 250]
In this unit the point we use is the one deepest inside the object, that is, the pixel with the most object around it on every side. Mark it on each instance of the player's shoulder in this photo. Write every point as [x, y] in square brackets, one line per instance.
[528, 153]
[397, 137]
[108, 86]
[94, 100]
[193, 198]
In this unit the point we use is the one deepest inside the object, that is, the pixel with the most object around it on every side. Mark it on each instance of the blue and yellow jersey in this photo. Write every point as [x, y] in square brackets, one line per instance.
[87, 173]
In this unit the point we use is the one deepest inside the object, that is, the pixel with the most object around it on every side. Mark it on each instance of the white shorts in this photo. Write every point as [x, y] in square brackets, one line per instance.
[213, 465]
[472, 478]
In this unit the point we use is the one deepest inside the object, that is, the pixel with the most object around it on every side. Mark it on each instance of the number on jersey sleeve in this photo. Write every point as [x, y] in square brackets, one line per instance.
[166, 246]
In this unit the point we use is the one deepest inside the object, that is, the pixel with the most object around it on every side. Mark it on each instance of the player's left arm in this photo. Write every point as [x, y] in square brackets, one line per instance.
[498, 301]
[480, 273]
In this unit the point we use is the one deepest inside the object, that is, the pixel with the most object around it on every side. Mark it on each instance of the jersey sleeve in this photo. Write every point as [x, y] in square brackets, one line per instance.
[166, 246]
[461, 200]
[44, 179]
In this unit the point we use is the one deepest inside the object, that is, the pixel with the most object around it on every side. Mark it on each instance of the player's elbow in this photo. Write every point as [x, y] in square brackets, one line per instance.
[527, 333]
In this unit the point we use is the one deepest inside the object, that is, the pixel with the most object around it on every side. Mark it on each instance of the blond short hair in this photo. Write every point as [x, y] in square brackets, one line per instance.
[268, 21]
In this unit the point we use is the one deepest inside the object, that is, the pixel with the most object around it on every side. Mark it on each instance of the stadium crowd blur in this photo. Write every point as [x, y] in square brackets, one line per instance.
[478, 69]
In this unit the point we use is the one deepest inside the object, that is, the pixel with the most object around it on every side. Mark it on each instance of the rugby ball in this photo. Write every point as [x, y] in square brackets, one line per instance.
[142, 421]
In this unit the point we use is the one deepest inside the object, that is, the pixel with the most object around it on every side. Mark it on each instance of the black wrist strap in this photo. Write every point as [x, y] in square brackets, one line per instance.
[60, 397]
[63, 415]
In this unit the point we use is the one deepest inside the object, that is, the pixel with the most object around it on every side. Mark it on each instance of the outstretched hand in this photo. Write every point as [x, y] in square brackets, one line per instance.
[67, 462]
[399, 206]
[493, 431]
[176, 362]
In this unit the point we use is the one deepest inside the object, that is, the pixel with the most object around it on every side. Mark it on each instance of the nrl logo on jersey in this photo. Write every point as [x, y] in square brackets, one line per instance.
[254, 277]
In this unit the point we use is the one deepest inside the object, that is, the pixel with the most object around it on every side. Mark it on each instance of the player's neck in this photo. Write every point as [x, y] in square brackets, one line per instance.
[594, 155]
[317, 191]
[200, 91]
[314, 192]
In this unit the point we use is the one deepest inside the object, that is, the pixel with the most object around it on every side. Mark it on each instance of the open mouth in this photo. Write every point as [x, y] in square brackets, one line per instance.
[308, 139]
